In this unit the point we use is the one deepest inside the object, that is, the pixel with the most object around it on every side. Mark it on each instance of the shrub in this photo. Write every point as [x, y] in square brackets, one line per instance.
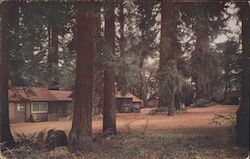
[34, 140]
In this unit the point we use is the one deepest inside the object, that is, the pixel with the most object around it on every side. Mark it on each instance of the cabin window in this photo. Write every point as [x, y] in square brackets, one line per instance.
[20, 107]
[39, 107]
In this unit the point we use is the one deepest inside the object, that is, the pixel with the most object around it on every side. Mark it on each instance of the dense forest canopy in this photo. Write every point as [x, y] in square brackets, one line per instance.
[32, 36]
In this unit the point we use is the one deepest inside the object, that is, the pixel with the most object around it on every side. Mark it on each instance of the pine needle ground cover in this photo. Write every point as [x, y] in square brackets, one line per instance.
[191, 135]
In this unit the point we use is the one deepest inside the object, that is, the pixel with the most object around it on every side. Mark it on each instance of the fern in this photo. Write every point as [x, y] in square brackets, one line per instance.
[36, 139]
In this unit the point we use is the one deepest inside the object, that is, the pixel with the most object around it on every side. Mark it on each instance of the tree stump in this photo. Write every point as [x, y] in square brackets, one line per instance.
[56, 138]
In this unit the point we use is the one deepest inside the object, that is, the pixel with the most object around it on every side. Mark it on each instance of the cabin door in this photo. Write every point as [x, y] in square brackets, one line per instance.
[20, 113]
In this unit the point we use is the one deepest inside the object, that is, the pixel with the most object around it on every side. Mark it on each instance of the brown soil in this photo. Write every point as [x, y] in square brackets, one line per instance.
[192, 119]
[189, 135]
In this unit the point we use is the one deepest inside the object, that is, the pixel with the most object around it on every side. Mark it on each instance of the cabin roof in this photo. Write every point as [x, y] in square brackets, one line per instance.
[17, 94]
[37, 94]
[128, 95]
[62, 95]
[41, 94]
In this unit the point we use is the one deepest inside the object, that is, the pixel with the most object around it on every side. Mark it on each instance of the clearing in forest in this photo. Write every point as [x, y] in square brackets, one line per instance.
[183, 136]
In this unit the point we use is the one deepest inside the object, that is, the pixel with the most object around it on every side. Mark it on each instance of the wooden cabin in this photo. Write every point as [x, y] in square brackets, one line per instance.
[128, 103]
[37, 104]
[124, 103]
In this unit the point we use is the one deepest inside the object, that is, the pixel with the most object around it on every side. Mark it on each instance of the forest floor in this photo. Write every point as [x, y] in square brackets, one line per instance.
[188, 135]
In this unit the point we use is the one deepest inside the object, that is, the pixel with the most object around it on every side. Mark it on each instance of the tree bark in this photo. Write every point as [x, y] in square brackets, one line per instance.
[98, 69]
[81, 131]
[143, 90]
[98, 91]
[202, 73]
[53, 56]
[168, 50]
[243, 112]
[122, 38]
[109, 109]
[122, 79]
[5, 133]
[163, 59]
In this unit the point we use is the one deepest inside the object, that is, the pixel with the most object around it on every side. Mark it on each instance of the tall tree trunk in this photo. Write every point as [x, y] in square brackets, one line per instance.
[147, 41]
[109, 109]
[122, 38]
[53, 56]
[168, 50]
[143, 90]
[98, 70]
[5, 133]
[243, 112]
[98, 91]
[81, 132]
[121, 21]
[202, 72]
[123, 66]
[163, 48]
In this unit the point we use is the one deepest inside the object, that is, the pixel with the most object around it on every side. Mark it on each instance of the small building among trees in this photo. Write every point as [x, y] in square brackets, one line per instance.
[28, 104]
[37, 104]
[128, 102]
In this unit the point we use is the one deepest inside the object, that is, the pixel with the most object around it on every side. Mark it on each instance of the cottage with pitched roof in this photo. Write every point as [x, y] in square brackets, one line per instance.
[27, 104]
[37, 104]
[127, 103]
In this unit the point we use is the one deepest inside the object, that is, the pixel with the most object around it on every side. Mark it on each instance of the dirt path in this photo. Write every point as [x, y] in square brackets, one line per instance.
[193, 118]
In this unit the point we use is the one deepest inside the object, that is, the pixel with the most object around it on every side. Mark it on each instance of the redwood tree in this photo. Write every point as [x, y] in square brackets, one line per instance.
[109, 109]
[147, 45]
[98, 69]
[5, 133]
[168, 50]
[202, 73]
[163, 37]
[243, 112]
[81, 132]
[122, 79]
[205, 19]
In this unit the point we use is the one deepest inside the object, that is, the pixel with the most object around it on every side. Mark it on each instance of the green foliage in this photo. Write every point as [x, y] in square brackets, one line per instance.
[29, 42]
[193, 13]
[230, 63]
[34, 140]
[205, 20]
[140, 43]
[28, 36]
[146, 23]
